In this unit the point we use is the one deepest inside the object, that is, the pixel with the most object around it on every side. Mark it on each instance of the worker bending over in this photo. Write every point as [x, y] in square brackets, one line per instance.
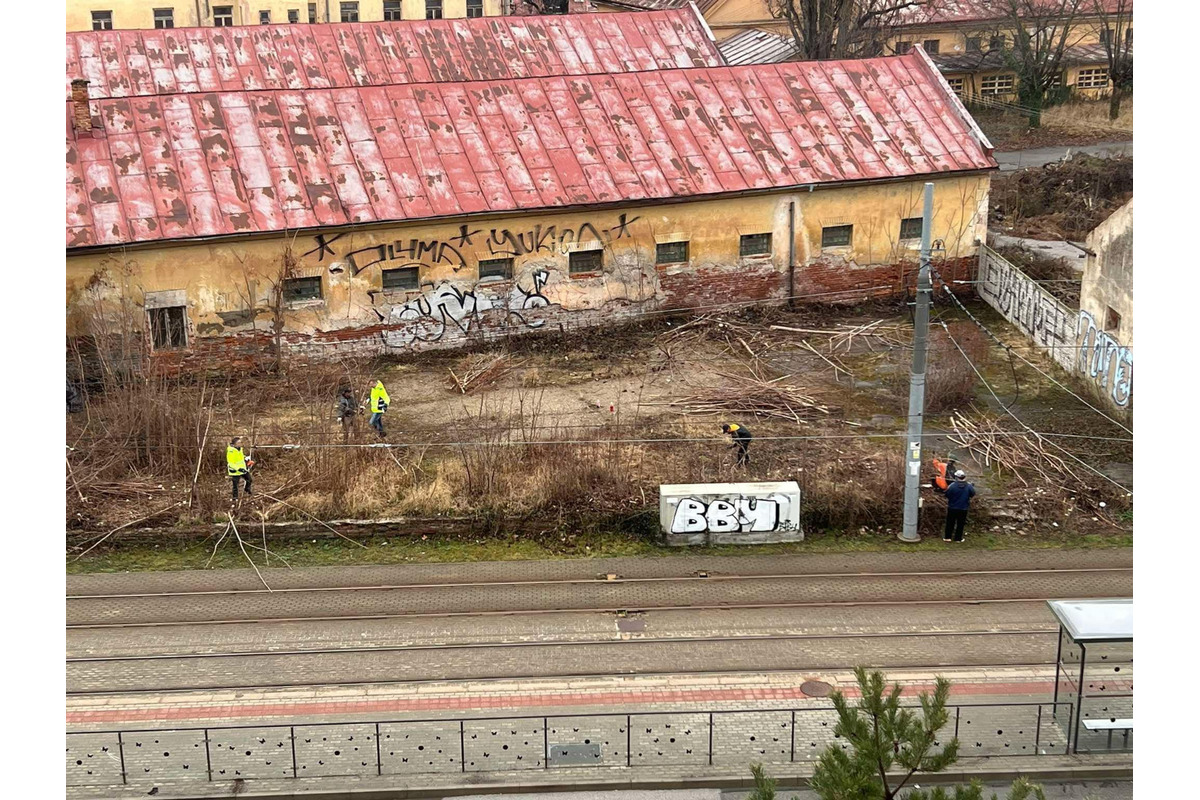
[741, 440]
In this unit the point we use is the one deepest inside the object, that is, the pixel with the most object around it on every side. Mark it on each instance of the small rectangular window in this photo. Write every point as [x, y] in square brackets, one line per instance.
[671, 253]
[974, 44]
[168, 327]
[496, 268]
[102, 20]
[1105, 34]
[312, 13]
[299, 289]
[932, 46]
[433, 9]
[910, 228]
[474, 8]
[754, 244]
[1129, 37]
[956, 85]
[349, 12]
[554, 7]
[997, 42]
[264, 18]
[1095, 78]
[997, 84]
[903, 47]
[586, 261]
[1112, 320]
[391, 10]
[164, 18]
[293, 15]
[222, 16]
[836, 236]
[405, 279]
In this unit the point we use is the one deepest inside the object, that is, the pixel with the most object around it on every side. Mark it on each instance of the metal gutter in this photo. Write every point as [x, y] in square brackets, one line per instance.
[976, 132]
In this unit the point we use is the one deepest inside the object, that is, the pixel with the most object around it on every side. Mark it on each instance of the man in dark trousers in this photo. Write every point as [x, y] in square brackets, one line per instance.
[741, 440]
[347, 411]
[958, 500]
[237, 466]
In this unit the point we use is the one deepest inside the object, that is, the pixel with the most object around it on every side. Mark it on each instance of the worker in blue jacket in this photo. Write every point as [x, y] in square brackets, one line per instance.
[958, 500]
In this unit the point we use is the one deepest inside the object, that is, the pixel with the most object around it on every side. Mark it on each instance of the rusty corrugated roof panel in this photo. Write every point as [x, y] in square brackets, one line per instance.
[756, 46]
[233, 162]
[138, 63]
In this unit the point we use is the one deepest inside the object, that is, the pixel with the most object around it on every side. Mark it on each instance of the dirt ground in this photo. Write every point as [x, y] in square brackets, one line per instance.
[1076, 123]
[577, 432]
[1063, 200]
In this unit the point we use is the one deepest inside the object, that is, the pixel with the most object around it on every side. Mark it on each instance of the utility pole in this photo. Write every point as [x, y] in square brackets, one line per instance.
[916, 380]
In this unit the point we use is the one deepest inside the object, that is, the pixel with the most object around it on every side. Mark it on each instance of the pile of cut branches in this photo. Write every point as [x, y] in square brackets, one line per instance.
[1027, 457]
[480, 371]
[752, 393]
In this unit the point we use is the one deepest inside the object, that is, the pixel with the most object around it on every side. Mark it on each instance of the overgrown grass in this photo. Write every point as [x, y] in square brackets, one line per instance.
[333, 552]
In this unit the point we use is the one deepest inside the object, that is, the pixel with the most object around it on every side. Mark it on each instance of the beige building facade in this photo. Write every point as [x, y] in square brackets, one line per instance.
[1106, 308]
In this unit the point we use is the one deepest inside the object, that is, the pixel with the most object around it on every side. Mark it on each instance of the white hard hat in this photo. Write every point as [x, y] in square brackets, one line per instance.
[960, 474]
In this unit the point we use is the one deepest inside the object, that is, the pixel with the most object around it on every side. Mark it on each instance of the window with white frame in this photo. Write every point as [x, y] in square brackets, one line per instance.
[222, 16]
[349, 12]
[391, 10]
[997, 84]
[102, 20]
[956, 85]
[164, 18]
[1092, 78]
[474, 8]
[433, 9]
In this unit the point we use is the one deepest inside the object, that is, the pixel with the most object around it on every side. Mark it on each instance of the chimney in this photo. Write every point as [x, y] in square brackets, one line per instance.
[79, 106]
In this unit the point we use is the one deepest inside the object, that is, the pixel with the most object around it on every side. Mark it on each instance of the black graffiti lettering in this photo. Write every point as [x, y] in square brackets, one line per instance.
[622, 227]
[464, 236]
[323, 246]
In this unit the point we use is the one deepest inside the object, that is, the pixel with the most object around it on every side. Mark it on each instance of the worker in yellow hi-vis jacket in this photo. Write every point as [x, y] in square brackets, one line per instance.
[379, 405]
[238, 466]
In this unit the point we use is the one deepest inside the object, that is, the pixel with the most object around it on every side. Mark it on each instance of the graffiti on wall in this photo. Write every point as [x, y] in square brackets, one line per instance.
[1039, 315]
[1105, 360]
[499, 242]
[446, 307]
[733, 515]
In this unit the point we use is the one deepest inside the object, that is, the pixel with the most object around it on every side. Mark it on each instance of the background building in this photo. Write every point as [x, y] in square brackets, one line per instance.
[1106, 309]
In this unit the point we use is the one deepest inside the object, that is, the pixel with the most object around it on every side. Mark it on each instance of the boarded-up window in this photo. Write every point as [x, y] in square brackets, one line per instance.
[836, 236]
[496, 268]
[910, 228]
[755, 244]
[405, 279]
[296, 290]
[168, 327]
[671, 253]
[586, 261]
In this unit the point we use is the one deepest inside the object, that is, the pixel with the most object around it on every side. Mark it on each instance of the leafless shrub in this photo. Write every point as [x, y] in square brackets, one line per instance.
[950, 381]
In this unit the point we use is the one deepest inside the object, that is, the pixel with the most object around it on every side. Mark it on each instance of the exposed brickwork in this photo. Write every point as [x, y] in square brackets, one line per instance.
[81, 113]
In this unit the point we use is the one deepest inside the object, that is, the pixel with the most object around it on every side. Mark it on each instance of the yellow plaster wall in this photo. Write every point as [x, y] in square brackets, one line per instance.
[128, 14]
[225, 279]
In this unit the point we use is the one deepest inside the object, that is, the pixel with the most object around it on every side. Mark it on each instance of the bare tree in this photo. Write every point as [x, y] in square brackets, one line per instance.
[1042, 30]
[825, 29]
[1116, 20]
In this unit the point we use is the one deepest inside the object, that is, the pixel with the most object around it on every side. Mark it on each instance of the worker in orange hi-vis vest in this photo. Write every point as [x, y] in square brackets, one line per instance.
[943, 472]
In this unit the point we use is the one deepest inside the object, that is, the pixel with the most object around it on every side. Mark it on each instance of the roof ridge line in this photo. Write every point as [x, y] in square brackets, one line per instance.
[918, 52]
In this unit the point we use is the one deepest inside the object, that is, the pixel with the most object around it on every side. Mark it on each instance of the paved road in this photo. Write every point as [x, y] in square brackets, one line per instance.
[358, 632]
[1038, 156]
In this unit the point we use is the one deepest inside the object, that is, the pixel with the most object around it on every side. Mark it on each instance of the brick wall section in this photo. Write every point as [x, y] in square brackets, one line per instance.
[680, 288]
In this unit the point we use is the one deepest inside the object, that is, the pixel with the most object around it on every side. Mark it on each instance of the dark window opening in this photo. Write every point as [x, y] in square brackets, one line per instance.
[997, 42]
[474, 8]
[836, 236]
[168, 327]
[405, 278]
[293, 15]
[755, 244]
[349, 12]
[496, 268]
[312, 13]
[910, 228]
[903, 47]
[586, 261]
[102, 20]
[1105, 34]
[671, 253]
[1129, 37]
[433, 9]
[297, 290]
[164, 18]
[264, 18]
[222, 16]
[391, 10]
[554, 7]
[974, 44]
[1112, 321]
[932, 46]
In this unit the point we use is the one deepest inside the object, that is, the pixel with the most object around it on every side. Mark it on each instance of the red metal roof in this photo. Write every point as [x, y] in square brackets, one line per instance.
[234, 162]
[135, 63]
[933, 12]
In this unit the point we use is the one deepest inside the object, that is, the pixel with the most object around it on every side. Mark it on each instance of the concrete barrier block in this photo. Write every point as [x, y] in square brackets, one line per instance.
[730, 513]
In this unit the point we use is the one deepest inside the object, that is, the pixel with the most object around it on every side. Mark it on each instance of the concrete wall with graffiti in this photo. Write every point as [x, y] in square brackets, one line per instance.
[378, 288]
[1076, 339]
[1106, 308]
[730, 513]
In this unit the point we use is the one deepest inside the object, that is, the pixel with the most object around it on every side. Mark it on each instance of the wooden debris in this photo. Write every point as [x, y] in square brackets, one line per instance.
[754, 393]
[1024, 455]
[480, 371]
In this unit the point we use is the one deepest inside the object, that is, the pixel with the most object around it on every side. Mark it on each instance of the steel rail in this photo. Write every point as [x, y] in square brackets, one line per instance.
[594, 610]
[768, 637]
[712, 578]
